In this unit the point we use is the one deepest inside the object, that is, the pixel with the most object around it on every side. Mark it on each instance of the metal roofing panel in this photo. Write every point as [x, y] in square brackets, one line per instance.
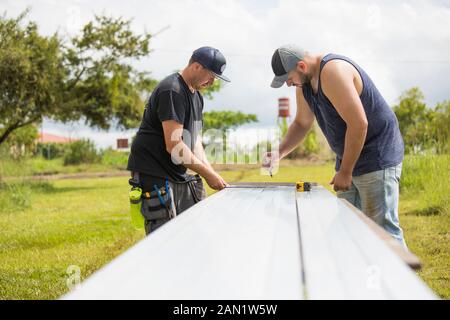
[344, 259]
[258, 241]
[236, 244]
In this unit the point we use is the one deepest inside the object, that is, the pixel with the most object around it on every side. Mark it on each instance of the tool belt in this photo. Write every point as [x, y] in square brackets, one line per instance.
[157, 204]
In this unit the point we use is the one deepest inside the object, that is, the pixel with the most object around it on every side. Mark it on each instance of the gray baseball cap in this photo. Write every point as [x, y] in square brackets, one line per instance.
[284, 60]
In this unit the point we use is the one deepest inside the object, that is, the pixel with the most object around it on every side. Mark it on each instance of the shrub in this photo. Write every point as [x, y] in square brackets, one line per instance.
[307, 148]
[51, 150]
[81, 151]
[21, 142]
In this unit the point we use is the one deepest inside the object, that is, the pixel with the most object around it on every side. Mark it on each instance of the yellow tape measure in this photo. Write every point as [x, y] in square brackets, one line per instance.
[303, 186]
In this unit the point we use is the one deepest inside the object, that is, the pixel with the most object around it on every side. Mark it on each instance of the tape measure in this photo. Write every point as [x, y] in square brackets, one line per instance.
[303, 186]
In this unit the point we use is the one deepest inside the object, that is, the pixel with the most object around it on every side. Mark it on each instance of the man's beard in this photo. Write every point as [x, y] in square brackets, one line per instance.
[197, 84]
[305, 79]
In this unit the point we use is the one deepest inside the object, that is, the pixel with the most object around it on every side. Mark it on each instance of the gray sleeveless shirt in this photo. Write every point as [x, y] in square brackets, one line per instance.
[383, 146]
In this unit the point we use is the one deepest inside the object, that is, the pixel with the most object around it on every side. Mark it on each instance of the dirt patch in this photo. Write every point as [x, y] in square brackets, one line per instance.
[72, 176]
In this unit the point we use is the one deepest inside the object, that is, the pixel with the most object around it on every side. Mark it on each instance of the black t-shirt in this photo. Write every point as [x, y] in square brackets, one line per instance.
[171, 100]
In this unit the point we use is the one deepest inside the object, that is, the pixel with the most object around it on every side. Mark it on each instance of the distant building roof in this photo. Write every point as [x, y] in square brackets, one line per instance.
[122, 143]
[51, 138]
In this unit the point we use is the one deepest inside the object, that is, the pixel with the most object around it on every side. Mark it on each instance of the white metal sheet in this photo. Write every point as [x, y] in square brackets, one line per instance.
[259, 243]
[237, 244]
[344, 259]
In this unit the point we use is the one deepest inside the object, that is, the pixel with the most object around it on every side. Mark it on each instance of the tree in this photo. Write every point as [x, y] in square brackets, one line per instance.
[31, 75]
[440, 127]
[225, 120]
[423, 128]
[85, 77]
[102, 83]
[413, 118]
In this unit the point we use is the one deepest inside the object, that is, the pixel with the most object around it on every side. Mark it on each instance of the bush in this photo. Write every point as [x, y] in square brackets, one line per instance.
[81, 151]
[51, 150]
[310, 145]
[21, 142]
[114, 158]
[307, 148]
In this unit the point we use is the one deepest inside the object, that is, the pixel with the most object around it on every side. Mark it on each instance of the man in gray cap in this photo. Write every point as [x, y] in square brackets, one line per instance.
[358, 124]
[166, 144]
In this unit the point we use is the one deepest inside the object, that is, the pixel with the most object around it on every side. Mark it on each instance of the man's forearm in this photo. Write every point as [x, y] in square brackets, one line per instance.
[201, 168]
[201, 154]
[181, 154]
[294, 136]
[354, 143]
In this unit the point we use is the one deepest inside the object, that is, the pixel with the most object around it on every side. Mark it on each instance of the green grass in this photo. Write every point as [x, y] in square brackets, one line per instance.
[30, 166]
[41, 166]
[73, 222]
[85, 222]
[425, 216]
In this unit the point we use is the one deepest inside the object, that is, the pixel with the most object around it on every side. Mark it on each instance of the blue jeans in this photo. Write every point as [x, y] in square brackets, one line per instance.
[376, 194]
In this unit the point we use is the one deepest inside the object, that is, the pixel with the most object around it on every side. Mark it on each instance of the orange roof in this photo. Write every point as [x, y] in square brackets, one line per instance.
[47, 138]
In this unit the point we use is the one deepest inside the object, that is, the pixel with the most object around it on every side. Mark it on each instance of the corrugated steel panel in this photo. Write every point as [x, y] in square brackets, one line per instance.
[259, 242]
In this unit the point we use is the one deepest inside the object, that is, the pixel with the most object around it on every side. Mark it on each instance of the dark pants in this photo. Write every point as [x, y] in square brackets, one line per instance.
[185, 195]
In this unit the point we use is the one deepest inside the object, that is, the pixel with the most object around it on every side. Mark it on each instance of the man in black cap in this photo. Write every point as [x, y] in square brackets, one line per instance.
[166, 144]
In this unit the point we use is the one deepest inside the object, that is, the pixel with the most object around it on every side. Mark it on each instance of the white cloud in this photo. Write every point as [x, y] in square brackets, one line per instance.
[398, 43]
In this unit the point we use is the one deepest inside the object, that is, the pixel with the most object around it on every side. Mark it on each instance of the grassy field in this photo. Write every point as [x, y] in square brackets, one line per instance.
[85, 223]
[425, 217]
[40, 166]
[69, 222]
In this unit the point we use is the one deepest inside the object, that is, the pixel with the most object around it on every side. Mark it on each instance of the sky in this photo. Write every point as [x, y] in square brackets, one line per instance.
[400, 44]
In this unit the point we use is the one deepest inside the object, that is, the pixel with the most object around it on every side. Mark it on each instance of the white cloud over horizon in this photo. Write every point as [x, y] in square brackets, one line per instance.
[399, 43]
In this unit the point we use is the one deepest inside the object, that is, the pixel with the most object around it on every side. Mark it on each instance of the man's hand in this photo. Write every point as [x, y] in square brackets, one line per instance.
[270, 160]
[215, 181]
[342, 181]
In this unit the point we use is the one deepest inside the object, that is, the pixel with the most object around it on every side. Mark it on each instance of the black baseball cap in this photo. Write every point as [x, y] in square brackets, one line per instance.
[211, 59]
